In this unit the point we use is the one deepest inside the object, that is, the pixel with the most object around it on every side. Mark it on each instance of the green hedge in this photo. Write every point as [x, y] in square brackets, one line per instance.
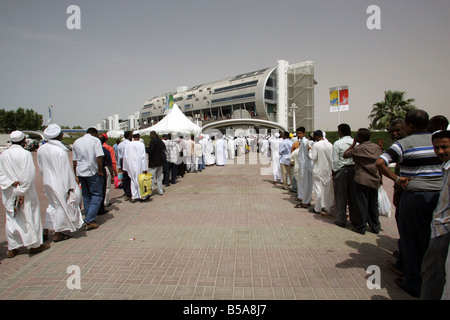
[381, 138]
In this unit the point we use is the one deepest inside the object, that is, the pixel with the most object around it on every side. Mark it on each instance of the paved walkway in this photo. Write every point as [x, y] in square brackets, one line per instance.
[225, 233]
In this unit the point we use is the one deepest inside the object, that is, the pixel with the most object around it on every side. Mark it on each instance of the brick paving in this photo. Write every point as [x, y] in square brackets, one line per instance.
[226, 233]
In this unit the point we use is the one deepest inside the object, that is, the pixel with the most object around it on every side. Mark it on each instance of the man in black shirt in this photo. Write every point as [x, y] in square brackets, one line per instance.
[156, 156]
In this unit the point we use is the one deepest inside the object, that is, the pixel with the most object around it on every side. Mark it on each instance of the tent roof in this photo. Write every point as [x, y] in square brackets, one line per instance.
[175, 121]
[115, 134]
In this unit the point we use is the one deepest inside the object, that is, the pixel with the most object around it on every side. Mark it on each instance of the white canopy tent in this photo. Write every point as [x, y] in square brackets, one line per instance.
[174, 122]
[115, 134]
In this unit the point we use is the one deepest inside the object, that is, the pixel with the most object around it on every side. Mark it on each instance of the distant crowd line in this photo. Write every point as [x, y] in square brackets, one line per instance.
[345, 179]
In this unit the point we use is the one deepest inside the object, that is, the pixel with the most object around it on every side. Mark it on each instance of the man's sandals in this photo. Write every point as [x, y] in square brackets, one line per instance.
[302, 205]
[39, 249]
[60, 237]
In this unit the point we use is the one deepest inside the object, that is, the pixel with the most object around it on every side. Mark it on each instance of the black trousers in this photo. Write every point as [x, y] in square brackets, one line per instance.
[102, 206]
[126, 181]
[433, 268]
[166, 173]
[173, 168]
[344, 193]
[415, 215]
[367, 208]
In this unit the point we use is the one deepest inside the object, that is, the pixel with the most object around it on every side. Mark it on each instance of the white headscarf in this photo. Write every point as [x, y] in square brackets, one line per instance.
[52, 131]
[17, 136]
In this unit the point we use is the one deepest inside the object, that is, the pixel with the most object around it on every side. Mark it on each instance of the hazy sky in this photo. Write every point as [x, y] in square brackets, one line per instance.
[129, 51]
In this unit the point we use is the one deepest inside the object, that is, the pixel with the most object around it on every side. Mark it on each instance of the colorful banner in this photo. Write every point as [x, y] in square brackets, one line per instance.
[169, 103]
[339, 99]
[334, 100]
[343, 99]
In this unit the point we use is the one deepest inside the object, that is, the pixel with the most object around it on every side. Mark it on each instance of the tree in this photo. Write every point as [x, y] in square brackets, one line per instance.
[394, 106]
[20, 120]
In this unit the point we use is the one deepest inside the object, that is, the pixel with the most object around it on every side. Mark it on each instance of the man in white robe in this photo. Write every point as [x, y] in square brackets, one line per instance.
[321, 154]
[221, 151]
[135, 163]
[274, 151]
[203, 141]
[305, 182]
[17, 176]
[128, 136]
[293, 158]
[209, 153]
[63, 212]
[265, 148]
[231, 147]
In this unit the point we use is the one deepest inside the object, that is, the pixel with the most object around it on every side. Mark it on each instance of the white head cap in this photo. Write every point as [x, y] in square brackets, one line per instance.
[17, 136]
[52, 131]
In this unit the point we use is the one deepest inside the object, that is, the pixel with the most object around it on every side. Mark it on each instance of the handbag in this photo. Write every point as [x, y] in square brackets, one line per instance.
[145, 184]
[384, 204]
[117, 182]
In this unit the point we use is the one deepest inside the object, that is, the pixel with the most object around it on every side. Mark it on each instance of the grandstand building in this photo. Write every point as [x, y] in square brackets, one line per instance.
[280, 97]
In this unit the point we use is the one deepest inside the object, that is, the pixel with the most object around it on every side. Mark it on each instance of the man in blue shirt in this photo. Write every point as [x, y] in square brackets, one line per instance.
[285, 152]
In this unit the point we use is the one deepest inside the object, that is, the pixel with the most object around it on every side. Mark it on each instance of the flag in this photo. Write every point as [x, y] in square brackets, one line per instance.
[334, 99]
[49, 115]
[343, 99]
[339, 99]
[169, 103]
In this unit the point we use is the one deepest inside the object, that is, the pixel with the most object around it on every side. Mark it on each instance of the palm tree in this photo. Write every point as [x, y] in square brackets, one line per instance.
[394, 106]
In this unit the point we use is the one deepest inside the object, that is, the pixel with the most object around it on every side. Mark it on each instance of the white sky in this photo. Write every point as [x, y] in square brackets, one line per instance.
[129, 51]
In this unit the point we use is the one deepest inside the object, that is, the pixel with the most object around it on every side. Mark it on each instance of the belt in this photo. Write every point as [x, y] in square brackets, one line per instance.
[347, 166]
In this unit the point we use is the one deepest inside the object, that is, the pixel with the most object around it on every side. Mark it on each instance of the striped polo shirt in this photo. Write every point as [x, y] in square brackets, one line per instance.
[416, 158]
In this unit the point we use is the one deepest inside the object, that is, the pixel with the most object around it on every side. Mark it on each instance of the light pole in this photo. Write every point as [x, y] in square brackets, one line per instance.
[293, 108]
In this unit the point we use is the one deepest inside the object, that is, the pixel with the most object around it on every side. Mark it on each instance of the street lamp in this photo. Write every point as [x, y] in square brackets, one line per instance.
[293, 108]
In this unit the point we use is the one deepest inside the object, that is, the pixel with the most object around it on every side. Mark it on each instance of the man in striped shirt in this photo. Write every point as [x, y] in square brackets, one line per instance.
[421, 178]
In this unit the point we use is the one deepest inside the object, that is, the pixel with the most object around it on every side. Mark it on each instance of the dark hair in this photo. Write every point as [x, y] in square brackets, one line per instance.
[318, 133]
[344, 129]
[437, 123]
[396, 122]
[364, 134]
[92, 130]
[442, 134]
[418, 119]
[102, 138]
[286, 134]
[301, 129]
[127, 134]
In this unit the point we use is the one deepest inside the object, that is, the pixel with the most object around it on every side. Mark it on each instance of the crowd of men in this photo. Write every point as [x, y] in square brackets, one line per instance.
[343, 179]
[86, 179]
[346, 177]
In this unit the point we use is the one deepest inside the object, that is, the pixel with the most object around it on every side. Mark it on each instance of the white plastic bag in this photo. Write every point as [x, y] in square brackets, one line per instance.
[384, 204]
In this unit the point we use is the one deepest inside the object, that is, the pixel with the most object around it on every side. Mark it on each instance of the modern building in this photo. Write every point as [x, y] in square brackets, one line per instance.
[280, 97]
[114, 123]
